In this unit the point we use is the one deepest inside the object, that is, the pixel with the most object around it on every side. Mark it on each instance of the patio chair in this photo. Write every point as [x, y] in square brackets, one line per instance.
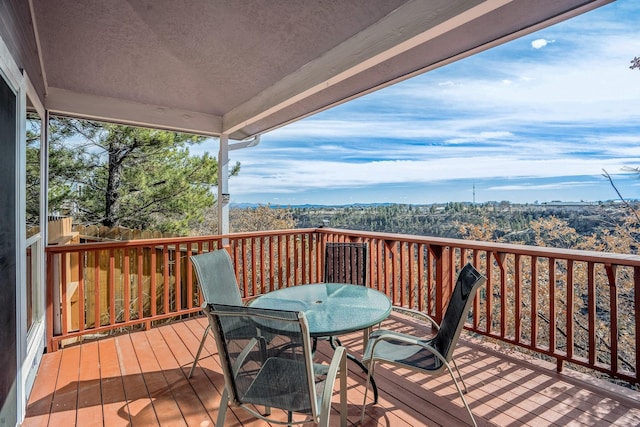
[433, 355]
[345, 263]
[218, 284]
[275, 371]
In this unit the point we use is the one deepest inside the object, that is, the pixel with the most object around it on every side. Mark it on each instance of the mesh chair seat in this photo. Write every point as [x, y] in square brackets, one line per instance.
[218, 284]
[430, 356]
[277, 385]
[274, 368]
[396, 347]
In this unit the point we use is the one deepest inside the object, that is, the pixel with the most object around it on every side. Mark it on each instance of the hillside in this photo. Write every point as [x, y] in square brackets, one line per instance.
[443, 220]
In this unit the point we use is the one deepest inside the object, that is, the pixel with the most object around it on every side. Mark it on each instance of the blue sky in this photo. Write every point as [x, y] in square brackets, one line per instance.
[537, 119]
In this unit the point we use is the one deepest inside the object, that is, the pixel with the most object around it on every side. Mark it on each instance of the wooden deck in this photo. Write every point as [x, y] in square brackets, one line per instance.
[139, 379]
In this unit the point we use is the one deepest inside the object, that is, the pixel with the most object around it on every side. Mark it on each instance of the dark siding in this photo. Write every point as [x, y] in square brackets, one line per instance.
[8, 346]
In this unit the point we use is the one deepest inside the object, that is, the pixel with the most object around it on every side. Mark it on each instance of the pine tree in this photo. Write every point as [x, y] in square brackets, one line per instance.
[129, 176]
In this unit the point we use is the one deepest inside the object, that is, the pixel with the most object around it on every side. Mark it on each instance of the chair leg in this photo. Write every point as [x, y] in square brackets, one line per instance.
[222, 411]
[366, 389]
[455, 365]
[263, 354]
[343, 393]
[195, 362]
[464, 401]
[365, 336]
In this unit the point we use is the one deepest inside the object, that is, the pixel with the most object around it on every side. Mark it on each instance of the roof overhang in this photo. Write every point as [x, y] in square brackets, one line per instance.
[243, 68]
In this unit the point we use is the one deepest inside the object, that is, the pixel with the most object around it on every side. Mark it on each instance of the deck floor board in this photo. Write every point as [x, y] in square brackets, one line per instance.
[140, 379]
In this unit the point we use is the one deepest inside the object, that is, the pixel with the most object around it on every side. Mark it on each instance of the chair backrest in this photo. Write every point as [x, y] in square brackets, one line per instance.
[345, 263]
[274, 367]
[217, 278]
[468, 282]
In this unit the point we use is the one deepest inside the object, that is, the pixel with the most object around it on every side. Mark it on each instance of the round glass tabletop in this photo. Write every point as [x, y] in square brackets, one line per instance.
[330, 308]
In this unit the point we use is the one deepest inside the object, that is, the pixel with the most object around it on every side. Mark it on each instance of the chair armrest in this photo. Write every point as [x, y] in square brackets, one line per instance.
[423, 316]
[407, 339]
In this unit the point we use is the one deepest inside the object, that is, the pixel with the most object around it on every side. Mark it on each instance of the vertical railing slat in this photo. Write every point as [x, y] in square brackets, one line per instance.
[517, 290]
[140, 253]
[534, 301]
[380, 264]
[165, 278]
[296, 260]
[570, 307]
[126, 286]
[96, 288]
[81, 301]
[304, 248]
[501, 259]
[254, 267]
[476, 300]
[111, 292]
[152, 278]
[413, 267]
[443, 277]
[263, 276]
[591, 310]
[189, 276]
[64, 297]
[272, 255]
[280, 263]
[241, 259]
[401, 274]
[613, 315]
[489, 298]
[393, 280]
[287, 261]
[422, 306]
[552, 305]
[636, 303]
[177, 274]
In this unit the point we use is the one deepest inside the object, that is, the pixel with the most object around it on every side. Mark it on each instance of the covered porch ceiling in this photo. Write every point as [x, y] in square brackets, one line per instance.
[245, 67]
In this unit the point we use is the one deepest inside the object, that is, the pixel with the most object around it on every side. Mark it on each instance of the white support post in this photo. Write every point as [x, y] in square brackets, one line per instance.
[223, 179]
[223, 186]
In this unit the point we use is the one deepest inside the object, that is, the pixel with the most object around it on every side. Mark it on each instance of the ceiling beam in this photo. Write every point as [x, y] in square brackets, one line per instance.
[68, 103]
[408, 26]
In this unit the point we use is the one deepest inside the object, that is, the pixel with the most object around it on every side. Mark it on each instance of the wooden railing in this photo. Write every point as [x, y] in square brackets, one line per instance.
[573, 306]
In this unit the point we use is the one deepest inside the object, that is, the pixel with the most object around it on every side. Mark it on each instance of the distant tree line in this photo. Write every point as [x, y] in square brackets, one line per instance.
[510, 222]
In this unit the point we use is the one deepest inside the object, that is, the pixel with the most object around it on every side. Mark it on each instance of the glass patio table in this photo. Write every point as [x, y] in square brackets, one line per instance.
[332, 309]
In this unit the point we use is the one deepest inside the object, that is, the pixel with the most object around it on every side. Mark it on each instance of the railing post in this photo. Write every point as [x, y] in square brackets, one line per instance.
[444, 283]
[636, 303]
[53, 302]
[56, 300]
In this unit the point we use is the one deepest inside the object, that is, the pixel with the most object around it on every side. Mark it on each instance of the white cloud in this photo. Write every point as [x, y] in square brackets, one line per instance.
[482, 136]
[546, 187]
[540, 43]
[291, 176]
[560, 113]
